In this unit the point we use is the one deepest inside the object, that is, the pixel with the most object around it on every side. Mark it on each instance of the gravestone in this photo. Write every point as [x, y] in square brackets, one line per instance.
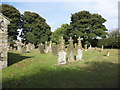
[4, 21]
[50, 46]
[108, 53]
[28, 47]
[24, 48]
[32, 47]
[79, 51]
[41, 48]
[54, 49]
[85, 47]
[102, 48]
[46, 47]
[19, 46]
[70, 51]
[90, 47]
[62, 54]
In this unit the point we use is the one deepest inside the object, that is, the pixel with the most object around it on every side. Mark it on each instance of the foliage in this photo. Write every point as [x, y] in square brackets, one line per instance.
[87, 26]
[34, 28]
[112, 41]
[59, 32]
[14, 15]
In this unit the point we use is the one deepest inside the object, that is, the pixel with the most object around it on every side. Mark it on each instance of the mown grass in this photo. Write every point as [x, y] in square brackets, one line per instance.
[35, 70]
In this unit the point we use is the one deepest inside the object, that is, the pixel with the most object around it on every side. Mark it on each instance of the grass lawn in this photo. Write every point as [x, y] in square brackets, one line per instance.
[33, 70]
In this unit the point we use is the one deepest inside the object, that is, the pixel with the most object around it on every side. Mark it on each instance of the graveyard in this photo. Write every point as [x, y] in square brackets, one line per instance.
[82, 54]
[35, 70]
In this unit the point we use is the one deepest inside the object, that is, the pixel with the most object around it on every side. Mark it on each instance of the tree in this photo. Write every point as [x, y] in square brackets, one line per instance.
[88, 26]
[13, 14]
[114, 38]
[59, 32]
[34, 28]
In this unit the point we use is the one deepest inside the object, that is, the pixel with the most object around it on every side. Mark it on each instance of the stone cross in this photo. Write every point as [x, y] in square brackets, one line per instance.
[79, 51]
[79, 43]
[62, 54]
[62, 43]
[70, 51]
[4, 21]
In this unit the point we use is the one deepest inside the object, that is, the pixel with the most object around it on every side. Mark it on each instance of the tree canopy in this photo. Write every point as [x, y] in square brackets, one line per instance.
[34, 28]
[13, 14]
[56, 35]
[87, 26]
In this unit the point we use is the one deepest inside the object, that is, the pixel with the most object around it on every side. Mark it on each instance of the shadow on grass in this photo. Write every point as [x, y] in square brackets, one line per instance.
[14, 58]
[97, 75]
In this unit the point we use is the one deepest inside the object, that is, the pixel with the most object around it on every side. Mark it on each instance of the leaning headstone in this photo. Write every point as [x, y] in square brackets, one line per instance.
[41, 48]
[62, 54]
[4, 21]
[108, 53]
[79, 51]
[70, 51]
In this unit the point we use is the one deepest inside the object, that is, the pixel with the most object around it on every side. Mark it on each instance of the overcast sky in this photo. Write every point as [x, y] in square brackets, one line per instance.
[57, 12]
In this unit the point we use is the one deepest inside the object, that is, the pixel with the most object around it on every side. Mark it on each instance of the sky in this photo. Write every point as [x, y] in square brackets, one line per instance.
[58, 12]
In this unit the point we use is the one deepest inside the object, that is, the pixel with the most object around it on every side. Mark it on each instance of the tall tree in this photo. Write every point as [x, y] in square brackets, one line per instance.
[34, 28]
[13, 14]
[62, 31]
[87, 26]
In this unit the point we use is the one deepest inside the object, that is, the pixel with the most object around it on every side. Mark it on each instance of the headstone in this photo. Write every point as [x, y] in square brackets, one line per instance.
[102, 48]
[32, 47]
[28, 47]
[41, 48]
[90, 47]
[79, 51]
[54, 49]
[19, 46]
[70, 51]
[24, 48]
[62, 54]
[46, 47]
[62, 57]
[85, 47]
[108, 53]
[50, 46]
[4, 21]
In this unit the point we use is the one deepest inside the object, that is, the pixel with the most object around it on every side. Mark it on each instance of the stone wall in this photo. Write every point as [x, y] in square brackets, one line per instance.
[4, 21]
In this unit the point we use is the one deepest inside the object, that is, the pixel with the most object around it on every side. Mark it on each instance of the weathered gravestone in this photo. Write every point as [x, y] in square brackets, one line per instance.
[62, 54]
[70, 51]
[85, 47]
[4, 21]
[54, 49]
[79, 50]
[50, 46]
[24, 49]
[108, 53]
[46, 47]
[28, 47]
[41, 48]
[102, 48]
[19, 46]
[32, 47]
[90, 47]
